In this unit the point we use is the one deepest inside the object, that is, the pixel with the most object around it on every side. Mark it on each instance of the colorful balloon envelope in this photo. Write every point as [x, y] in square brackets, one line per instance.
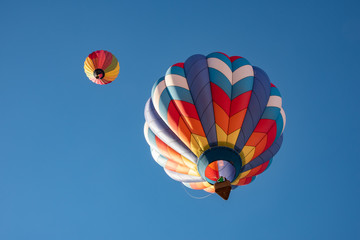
[214, 122]
[101, 67]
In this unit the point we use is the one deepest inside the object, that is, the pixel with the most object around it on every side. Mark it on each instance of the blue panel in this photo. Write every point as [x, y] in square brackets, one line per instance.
[242, 86]
[279, 125]
[222, 57]
[155, 85]
[164, 104]
[270, 162]
[197, 75]
[239, 63]
[176, 70]
[221, 80]
[179, 93]
[271, 113]
[275, 92]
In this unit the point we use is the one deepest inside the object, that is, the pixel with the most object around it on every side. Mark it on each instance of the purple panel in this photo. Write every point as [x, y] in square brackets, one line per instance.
[258, 101]
[265, 156]
[197, 75]
[226, 170]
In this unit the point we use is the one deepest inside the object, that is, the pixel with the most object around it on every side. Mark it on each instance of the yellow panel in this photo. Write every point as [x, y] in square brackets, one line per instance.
[202, 141]
[112, 74]
[194, 146]
[194, 173]
[247, 153]
[89, 63]
[87, 68]
[232, 137]
[182, 169]
[221, 136]
[188, 163]
[89, 75]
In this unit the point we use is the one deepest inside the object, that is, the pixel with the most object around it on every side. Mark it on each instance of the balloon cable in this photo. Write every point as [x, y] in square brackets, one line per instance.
[194, 196]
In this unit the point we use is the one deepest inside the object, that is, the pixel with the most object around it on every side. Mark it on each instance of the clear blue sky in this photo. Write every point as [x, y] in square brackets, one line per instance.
[73, 160]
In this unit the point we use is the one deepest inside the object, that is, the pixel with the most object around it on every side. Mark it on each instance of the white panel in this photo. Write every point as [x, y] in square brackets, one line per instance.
[220, 66]
[274, 101]
[176, 80]
[241, 73]
[183, 177]
[157, 93]
[282, 112]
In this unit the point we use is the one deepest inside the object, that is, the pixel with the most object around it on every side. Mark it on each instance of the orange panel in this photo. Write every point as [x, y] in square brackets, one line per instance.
[170, 165]
[260, 147]
[195, 126]
[221, 118]
[255, 138]
[183, 132]
[236, 121]
[175, 155]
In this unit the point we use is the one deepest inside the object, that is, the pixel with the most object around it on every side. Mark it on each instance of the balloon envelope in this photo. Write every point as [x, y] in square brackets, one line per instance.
[214, 117]
[101, 67]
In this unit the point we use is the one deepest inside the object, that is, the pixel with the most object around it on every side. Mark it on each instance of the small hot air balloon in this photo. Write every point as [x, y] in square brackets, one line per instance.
[101, 67]
[214, 122]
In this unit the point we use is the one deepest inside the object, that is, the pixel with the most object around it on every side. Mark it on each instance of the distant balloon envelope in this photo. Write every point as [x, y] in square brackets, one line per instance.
[214, 118]
[101, 67]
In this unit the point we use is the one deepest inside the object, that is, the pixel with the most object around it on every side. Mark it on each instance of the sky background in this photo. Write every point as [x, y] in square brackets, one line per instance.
[74, 163]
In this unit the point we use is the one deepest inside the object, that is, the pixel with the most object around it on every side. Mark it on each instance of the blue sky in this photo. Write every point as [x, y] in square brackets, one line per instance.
[74, 163]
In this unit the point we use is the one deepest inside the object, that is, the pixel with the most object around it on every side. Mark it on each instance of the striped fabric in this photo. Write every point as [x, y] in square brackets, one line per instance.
[105, 61]
[211, 101]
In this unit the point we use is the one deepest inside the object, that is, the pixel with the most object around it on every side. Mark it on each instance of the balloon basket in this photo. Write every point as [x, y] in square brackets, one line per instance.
[223, 189]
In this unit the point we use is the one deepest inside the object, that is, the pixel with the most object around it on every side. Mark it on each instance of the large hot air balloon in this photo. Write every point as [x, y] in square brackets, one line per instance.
[101, 67]
[214, 122]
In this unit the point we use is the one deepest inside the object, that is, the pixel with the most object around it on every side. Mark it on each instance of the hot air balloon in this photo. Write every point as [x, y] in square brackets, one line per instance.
[101, 67]
[214, 122]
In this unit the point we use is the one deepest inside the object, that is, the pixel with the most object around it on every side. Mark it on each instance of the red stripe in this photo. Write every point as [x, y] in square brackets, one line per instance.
[108, 59]
[173, 116]
[211, 174]
[233, 58]
[186, 109]
[92, 55]
[220, 97]
[178, 65]
[271, 135]
[240, 102]
[264, 125]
